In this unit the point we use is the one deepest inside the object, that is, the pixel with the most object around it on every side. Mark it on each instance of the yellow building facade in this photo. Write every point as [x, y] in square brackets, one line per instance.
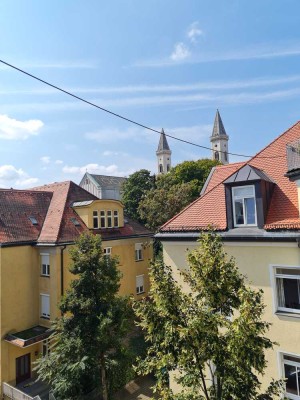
[255, 207]
[34, 275]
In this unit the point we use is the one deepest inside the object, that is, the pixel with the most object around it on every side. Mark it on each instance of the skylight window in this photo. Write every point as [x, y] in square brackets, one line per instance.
[33, 220]
[75, 221]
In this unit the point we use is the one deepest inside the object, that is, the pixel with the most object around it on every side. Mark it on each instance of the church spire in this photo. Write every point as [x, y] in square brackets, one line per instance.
[163, 154]
[219, 141]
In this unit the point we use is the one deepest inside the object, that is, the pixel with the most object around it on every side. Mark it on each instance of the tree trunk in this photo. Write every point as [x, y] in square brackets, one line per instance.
[103, 380]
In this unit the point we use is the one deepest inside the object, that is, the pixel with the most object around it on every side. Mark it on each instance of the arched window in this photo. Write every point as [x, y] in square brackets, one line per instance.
[217, 157]
[168, 167]
[160, 168]
[225, 155]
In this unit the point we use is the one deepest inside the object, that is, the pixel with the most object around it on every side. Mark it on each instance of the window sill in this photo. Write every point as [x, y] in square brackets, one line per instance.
[42, 317]
[287, 314]
[139, 260]
[45, 276]
[140, 293]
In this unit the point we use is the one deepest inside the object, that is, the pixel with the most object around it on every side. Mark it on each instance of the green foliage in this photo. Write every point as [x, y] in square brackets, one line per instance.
[134, 188]
[161, 204]
[213, 335]
[173, 192]
[88, 336]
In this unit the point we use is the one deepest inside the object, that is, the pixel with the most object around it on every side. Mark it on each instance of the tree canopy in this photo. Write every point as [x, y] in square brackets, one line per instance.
[87, 339]
[213, 336]
[153, 200]
[134, 188]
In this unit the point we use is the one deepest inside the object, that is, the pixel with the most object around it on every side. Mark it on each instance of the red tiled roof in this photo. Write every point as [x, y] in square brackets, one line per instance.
[16, 206]
[210, 208]
[51, 206]
[58, 226]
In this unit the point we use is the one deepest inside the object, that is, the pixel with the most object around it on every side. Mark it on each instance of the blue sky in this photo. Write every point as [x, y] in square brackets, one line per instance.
[164, 63]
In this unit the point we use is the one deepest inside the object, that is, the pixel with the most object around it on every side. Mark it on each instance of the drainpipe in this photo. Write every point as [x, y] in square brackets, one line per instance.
[62, 269]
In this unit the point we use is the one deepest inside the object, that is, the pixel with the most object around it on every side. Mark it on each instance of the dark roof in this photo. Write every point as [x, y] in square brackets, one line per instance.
[163, 144]
[57, 222]
[218, 129]
[271, 163]
[105, 180]
[248, 173]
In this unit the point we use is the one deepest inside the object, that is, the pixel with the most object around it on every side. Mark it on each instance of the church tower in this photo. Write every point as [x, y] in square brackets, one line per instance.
[219, 141]
[163, 154]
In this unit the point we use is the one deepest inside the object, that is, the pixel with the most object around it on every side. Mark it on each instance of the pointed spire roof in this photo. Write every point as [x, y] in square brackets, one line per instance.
[163, 144]
[218, 129]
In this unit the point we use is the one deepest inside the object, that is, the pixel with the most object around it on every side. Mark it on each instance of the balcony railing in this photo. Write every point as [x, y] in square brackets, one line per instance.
[15, 394]
[293, 155]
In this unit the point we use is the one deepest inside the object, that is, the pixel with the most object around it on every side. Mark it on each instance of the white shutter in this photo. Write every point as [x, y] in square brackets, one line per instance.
[45, 306]
[139, 284]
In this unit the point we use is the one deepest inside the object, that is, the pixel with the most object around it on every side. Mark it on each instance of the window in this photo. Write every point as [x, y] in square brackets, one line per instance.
[160, 168]
[288, 289]
[138, 252]
[45, 306]
[95, 220]
[291, 372]
[168, 167]
[45, 264]
[244, 211]
[46, 347]
[116, 219]
[139, 281]
[107, 251]
[217, 157]
[102, 219]
[109, 219]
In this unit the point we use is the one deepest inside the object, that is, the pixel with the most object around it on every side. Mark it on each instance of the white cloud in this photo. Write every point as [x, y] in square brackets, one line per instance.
[12, 129]
[180, 52]
[256, 52]
[95, 169]
[45, 159]
[59, 162]
[11, 176]
[194, 32]
[109, 153]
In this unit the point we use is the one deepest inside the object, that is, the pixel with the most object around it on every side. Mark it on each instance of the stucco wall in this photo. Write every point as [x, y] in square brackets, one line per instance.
[255, 260]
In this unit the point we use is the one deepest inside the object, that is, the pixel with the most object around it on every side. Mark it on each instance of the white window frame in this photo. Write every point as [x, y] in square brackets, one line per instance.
[282, 361]
[95, 219]
[46, 347]
[242, 198]
[44, 314]
[140, 288]
[138, 251]
[273, 275]
[115, 218]
[102, 218]
[107, 251]
[45, 267]
[109, 217]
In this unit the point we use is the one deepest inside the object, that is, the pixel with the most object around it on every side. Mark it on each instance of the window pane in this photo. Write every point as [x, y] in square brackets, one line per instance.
[291, 358]
[288, 293]
[250, 210]
[247, 191]
[290, 374]
[288, 271]
[239, 212]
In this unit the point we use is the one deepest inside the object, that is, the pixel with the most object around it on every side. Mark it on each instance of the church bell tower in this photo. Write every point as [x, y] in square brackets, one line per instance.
[163, 154]
[219, 141]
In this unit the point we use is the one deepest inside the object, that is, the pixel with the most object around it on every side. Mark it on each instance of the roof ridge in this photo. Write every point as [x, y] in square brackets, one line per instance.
[273, 141]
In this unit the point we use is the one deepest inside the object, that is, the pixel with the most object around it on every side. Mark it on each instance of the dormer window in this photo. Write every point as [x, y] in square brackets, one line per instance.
[244, 209]
[248, 193]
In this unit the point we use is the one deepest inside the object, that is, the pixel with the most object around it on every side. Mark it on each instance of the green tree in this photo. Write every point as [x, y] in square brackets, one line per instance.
[173, 191]
[134, 188]
[196, 171]
[213, 335]
[88, 336]
[162, 203]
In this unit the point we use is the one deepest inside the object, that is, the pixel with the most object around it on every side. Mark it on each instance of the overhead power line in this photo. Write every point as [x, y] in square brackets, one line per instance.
[118, 115]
